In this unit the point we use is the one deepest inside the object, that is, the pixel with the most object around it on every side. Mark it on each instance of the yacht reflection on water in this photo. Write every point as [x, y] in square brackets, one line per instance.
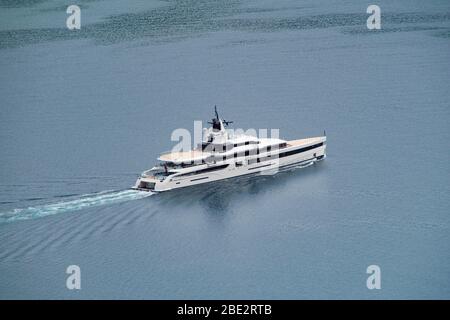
[216, 197]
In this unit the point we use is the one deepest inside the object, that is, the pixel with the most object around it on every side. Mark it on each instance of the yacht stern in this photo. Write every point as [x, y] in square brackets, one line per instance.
[145, 184]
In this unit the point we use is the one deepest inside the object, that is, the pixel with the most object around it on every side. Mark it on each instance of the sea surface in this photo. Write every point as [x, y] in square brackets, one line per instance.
[83, 112]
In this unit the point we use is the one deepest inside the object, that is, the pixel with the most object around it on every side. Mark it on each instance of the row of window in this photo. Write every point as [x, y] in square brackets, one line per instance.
[246, 143]
[236, 154]
[289, 153]
[285, 154]
[256, 160]
[223, 166]
[211, 147]
[256, 151]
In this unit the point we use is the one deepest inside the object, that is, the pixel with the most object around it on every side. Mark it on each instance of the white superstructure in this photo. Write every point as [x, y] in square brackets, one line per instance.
[222, 156]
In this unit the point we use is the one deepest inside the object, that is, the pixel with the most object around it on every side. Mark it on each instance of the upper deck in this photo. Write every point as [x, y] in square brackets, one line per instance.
[198, 155]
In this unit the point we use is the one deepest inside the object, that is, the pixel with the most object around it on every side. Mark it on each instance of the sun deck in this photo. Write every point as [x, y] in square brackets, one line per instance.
[182, 156]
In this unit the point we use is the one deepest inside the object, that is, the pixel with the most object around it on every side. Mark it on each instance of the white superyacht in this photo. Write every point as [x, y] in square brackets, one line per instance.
[222, 156]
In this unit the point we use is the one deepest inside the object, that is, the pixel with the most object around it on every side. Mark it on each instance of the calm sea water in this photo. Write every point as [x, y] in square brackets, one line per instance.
[82, 113]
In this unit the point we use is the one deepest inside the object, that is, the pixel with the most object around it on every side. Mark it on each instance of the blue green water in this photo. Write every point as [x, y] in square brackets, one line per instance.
[83, 112]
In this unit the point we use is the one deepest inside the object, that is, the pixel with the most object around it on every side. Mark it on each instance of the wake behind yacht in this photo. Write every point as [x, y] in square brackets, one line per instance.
[222, 156]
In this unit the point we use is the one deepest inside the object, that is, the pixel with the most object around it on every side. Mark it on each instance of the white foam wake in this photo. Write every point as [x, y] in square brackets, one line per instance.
[86, 201]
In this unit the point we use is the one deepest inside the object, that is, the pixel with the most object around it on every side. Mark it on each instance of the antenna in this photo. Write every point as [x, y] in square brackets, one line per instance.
[217, 120]
[215, 111]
